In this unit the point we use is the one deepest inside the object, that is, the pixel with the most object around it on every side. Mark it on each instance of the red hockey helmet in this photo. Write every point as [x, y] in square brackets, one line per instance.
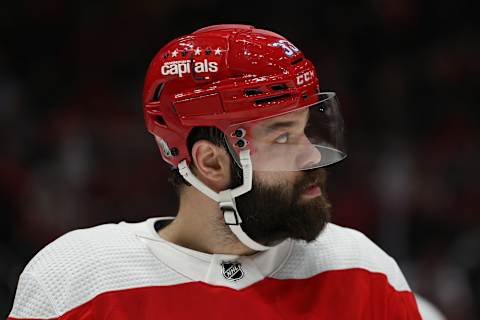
[253, 85]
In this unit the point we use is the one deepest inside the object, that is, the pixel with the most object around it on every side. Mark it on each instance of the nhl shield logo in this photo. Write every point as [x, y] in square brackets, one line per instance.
[232, 270]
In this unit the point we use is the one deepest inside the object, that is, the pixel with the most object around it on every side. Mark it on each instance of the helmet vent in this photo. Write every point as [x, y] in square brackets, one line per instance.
[294, 62]
[158, 92]
[252, 91]
[270, 99]
[279, 86]
[159, 120]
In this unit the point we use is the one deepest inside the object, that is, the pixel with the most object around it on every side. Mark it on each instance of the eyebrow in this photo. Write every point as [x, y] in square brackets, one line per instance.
[281, 125]
[285, 124]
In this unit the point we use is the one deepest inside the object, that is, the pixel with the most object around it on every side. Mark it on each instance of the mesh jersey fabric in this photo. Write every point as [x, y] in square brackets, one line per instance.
[85, 266]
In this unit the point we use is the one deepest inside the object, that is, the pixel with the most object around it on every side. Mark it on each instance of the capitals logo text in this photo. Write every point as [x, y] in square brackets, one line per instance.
[182, 67]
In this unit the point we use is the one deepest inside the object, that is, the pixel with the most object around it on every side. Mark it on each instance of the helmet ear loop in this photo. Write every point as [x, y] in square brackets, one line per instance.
[232, 152]
[235, 166]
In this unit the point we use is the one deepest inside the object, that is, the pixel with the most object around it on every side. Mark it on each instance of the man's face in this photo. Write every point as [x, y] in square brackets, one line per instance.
[284, 205]
[285, 201]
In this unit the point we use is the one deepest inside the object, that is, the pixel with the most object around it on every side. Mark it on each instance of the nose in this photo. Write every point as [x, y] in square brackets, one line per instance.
[308, 154]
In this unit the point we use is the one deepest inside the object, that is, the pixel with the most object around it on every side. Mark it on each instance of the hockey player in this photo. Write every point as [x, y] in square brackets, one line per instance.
[239, 114]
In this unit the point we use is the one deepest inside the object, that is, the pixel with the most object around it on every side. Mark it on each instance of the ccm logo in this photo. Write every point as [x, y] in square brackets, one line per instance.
[305, 77]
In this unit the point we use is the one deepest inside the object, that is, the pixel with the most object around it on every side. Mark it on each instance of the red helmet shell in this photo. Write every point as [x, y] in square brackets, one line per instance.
[222, 76]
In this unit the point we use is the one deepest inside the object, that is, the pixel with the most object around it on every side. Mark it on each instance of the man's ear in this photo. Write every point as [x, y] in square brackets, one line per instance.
[212, 164]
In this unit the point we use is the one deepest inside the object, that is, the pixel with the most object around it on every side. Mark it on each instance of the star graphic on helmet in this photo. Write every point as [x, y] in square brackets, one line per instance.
[198, 51]
[174, 53]
[218, 51]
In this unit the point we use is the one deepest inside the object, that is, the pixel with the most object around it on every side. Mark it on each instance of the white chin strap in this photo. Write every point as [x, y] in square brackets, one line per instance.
[226, 198]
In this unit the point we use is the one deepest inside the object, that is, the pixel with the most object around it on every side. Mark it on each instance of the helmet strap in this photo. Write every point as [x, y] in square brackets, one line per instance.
[226, 198]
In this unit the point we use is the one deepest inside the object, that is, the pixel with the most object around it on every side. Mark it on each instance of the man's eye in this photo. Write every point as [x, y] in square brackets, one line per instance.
[282, 139]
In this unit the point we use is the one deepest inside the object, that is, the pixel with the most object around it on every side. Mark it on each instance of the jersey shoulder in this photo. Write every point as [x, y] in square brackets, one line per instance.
[88, 251]
[341, 248]
[84, 263]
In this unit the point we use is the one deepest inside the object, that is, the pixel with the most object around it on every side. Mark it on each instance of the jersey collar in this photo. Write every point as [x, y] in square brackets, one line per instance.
[232, 271]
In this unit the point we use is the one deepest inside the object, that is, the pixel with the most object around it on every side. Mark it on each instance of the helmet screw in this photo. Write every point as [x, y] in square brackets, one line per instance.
[174, 151]
[240, 133]
[241, 143]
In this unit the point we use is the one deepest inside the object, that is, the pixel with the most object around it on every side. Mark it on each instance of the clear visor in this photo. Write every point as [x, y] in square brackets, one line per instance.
[306, 138]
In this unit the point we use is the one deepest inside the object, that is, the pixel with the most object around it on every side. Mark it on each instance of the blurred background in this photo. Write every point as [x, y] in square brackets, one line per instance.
[74, 151]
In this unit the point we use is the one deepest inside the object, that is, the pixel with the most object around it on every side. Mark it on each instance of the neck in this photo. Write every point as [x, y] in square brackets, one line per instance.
[199, 226]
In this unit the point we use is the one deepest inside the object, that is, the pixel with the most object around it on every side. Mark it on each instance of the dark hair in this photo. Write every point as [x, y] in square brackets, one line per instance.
[215, 136]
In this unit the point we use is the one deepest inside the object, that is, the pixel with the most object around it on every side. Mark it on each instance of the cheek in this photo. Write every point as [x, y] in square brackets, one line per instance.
[274, 157]
[275, 178]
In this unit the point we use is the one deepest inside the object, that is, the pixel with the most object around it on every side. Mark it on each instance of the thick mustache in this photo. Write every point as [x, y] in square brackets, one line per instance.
[313, 177]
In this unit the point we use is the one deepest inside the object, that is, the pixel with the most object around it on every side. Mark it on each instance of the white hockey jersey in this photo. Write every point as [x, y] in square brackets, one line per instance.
[127, 271]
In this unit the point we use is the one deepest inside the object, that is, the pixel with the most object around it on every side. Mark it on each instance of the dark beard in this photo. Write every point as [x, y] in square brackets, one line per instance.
[274, 213]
